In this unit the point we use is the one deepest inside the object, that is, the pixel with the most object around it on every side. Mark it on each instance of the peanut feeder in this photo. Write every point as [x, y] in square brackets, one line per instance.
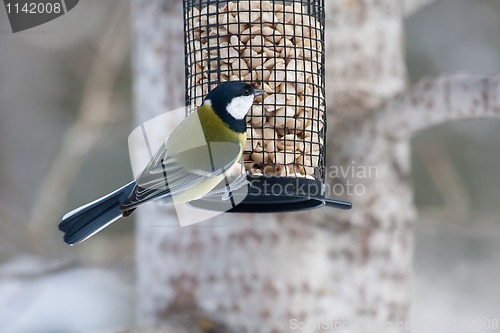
[278, 46]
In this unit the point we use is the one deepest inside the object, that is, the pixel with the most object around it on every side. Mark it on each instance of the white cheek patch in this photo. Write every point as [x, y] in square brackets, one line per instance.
[239, 106]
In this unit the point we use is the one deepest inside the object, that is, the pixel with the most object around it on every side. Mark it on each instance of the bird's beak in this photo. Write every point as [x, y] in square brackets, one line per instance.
[259, 92]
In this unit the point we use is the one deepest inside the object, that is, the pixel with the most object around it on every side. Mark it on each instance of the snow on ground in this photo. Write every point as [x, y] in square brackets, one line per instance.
[73, 300]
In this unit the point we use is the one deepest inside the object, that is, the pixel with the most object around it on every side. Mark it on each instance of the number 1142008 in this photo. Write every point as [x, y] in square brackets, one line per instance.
[34, 8]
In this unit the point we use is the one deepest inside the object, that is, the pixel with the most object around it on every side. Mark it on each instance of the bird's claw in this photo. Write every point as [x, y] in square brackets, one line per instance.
[238, 183]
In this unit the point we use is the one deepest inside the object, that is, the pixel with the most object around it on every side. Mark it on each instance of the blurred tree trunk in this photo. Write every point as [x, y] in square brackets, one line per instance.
[269, 273]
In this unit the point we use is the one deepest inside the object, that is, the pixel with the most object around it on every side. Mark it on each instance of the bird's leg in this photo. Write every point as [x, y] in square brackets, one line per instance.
[226, 191]
[235, 185]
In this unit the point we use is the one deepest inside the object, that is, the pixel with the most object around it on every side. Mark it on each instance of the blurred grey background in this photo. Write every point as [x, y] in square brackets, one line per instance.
[44, 73]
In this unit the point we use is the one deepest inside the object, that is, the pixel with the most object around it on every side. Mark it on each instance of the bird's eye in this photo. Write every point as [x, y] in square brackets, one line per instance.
[246, 92]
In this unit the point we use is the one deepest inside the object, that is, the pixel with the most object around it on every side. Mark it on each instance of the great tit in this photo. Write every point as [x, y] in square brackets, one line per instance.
[176, 173]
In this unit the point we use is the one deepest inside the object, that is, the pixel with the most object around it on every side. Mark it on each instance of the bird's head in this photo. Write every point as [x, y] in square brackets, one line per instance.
[231, 101]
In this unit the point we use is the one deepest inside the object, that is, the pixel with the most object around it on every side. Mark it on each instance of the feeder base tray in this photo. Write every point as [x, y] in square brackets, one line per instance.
[269, 195]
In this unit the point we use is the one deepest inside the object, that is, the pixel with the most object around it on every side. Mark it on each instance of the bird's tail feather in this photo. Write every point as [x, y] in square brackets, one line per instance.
[82, 223]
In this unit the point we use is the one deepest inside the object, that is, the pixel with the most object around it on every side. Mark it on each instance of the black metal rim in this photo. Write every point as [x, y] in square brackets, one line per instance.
[271, 195]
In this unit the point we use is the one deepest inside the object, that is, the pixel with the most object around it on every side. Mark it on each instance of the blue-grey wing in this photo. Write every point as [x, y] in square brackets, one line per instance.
[167, 175]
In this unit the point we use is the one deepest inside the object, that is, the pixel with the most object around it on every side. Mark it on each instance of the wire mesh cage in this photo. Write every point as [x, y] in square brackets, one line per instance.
[277, 46]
